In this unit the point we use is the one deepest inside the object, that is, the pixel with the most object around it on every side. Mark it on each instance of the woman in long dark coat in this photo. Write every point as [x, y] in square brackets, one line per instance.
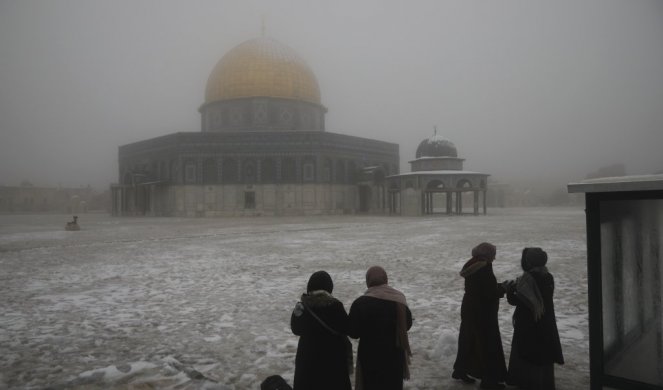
[322, 360]
[536, 346]
[380, 319]
[480, 352]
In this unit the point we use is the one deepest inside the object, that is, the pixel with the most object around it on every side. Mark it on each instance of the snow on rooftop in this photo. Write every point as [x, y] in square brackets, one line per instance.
[619, 183]
[441, 172]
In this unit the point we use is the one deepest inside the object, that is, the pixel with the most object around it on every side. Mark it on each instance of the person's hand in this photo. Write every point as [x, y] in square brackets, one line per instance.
[509, 285]
[299, 309]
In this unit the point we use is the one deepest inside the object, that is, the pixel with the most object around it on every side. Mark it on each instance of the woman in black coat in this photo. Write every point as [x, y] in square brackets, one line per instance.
[480, 352]
[380, 319]
[322, 354]
[536, 346]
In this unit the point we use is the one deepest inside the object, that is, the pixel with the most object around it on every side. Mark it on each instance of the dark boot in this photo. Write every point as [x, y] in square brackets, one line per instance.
[462, 376]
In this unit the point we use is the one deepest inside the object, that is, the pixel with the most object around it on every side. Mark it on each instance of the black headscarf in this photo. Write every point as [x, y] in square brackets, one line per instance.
[320, 280]
[533, 258]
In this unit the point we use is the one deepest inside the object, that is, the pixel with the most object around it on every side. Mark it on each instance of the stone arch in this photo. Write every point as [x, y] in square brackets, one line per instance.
[463, 183]
[435, 184]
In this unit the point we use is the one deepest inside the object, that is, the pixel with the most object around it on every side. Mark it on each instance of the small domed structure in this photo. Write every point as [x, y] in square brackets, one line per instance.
[436, 146]
[436, 176]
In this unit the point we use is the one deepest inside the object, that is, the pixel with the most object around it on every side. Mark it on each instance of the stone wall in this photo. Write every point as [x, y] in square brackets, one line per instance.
[258, 199]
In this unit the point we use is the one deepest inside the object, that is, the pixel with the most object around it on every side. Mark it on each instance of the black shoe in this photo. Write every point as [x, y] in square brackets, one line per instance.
[491, 386]
[463, 377]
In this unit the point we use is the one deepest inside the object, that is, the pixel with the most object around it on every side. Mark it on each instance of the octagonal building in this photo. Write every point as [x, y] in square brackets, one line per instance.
[262, 149]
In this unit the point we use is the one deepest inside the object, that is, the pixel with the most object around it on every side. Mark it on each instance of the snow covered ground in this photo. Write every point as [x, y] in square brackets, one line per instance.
[205, 303]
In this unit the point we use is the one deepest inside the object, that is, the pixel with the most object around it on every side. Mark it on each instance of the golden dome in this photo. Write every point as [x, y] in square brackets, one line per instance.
[262, 67]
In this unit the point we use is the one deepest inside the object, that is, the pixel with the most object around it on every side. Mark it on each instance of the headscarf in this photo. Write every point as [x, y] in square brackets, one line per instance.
[320, 280]
[533, 260]
[376, 276]
[482, 255]
[484, 251]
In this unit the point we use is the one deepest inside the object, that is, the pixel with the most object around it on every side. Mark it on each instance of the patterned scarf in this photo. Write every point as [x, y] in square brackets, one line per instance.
[529, 293]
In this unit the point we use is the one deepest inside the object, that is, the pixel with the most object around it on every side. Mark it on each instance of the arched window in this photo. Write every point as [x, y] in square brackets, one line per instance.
[268, 170]
[249, 171]
[352, 172]
[210, 172]
[339, 173]
[229, 171]
[190, 172]
[308, 169]
[173, 172]
[289, 170]
[326, 170]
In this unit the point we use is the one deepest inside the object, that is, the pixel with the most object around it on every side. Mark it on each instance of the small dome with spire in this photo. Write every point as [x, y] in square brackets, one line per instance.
[436, 146]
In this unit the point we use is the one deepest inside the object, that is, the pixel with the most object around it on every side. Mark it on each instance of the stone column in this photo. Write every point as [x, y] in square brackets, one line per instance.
[448, 201]
[459, 202]
[476, 202]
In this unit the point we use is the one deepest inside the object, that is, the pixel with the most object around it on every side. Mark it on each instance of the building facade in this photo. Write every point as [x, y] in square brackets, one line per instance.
[33, 199]
[262, 150]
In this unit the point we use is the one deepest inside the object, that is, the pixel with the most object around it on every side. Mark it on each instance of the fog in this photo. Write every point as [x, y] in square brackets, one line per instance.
[526, 90]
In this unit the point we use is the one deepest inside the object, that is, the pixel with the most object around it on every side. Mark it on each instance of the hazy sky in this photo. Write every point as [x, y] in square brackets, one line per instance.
[547, 90]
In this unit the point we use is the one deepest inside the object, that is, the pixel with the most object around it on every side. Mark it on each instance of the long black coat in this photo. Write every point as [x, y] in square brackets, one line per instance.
[321, 362]
[480, 352]
[537, 342]
[373, 322]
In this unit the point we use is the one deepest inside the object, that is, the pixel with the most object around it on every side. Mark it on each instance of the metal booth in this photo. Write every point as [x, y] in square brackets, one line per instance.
[624, 272]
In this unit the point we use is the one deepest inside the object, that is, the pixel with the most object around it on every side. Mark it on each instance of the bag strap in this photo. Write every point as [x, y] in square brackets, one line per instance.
[335, 333]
